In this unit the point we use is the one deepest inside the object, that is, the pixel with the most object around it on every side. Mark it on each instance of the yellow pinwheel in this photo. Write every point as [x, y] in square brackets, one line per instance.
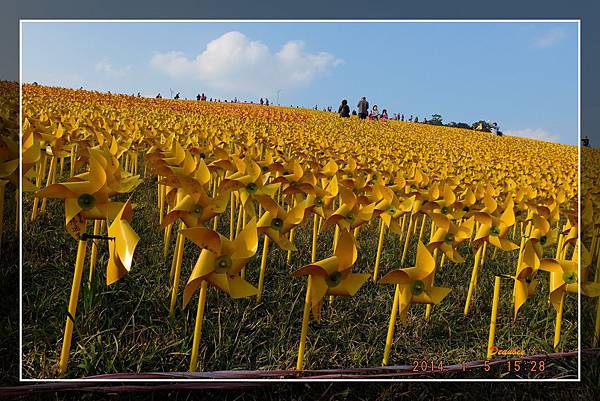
[219, 264]
[413, 285]
[524, 280]
[494, 229]
[276, 222]
[331, 276]
[449, 236]
[564, 278]
[122, 244]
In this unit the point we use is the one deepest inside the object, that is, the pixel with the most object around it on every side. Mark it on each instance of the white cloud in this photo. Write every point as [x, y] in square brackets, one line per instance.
[535, 133]
[233, 63]
[108, 69]
[549, 38]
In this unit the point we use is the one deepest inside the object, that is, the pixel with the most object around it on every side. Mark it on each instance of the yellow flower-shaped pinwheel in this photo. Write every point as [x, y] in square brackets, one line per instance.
[334, 276]
[449, 236]
[248, 181]
[351, 213]
[276, 222]
[221, 261]
[320, 203]
[524, 281]
[122, 246]
[196, 208]
[493, 229]
[563, 276]
[416, 283]
[542, 236]
[85, 195]
[390, 207]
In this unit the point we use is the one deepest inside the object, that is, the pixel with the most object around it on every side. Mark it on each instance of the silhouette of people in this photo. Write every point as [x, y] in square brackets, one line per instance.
[344, 109]
[176, 96]
[402, 118]
[261, 101]
[266, 102]
[384, 115]
[198, 97]
[363, 108]
[416, 119]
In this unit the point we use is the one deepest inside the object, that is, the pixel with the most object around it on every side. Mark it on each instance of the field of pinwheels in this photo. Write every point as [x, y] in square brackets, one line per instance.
[172, 236]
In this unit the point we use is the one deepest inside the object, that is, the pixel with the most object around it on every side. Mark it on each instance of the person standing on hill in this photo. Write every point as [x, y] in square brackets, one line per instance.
[344, 110]
[363, 108]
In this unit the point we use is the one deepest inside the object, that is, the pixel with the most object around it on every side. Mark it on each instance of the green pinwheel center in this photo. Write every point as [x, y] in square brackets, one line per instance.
[349, 175]
[391, 182]
[398, 192]
[202, 155]
[319, 201]
[543, 239]
[86, 201]
[251, 188]
[466, 209]
[334, 279]
[197, 209]
[495, 231]
[277, 224]
[391, 210]
[569, 277]
[264, 169]
[518, 213]
[449, 238]
[350, 217]
[223, 263]
[444, 210]
[417, 287]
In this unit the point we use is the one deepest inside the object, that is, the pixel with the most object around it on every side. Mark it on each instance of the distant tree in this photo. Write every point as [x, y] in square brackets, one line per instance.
[463, 125]
[436, 119]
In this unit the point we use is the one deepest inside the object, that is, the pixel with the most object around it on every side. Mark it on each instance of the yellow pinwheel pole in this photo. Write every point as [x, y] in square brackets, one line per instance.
[390, 333]
[94, 252]
[177, 270]
[315, 232]
[304, 330]
[49, 181]
[38, 183]
[429, 306]
[379, 249]
[495, 302]
[407, 240]
[559, 313]
[263, 267]
[72, 309]
[473, 281]
[198, 326]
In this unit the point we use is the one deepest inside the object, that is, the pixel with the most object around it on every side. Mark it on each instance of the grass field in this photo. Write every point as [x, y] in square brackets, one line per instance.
[126, 327]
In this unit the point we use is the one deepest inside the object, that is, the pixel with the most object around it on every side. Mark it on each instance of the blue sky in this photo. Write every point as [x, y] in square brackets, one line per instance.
[522, 75]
